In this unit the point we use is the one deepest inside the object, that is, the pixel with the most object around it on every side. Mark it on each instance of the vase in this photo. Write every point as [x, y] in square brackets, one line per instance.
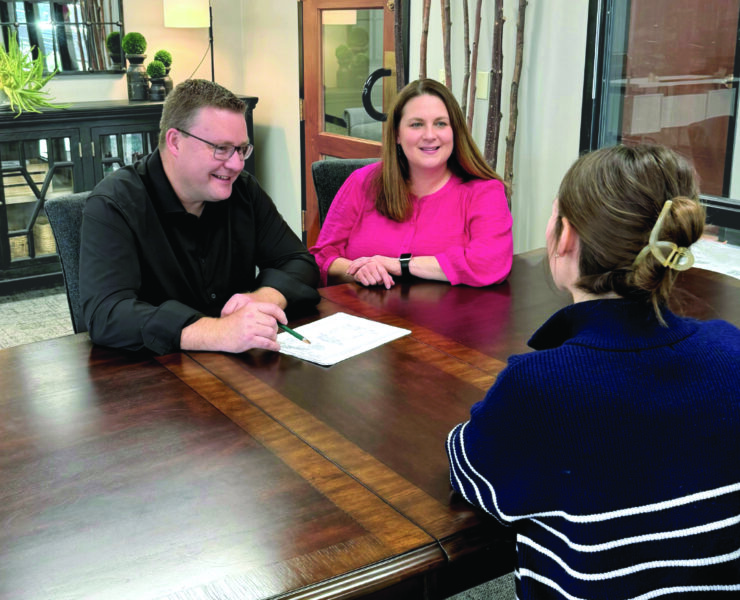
[157, 91]
[115, 61]
[136, 78]
[167, 81]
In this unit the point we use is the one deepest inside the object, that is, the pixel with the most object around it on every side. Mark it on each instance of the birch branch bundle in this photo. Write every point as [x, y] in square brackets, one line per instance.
[466, 51]
[398, 39]
[424, 37]
[446, 30]
[494, 97]
[474, 66]
[513, 99]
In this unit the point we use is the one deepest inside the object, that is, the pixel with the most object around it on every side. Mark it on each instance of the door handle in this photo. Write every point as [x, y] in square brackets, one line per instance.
[367, 90]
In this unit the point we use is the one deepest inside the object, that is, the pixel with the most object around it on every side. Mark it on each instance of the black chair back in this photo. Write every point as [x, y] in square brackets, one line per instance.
[328, 177]
[65, 218]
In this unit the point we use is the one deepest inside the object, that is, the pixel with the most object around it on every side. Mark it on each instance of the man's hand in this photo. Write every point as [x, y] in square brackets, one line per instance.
[263, 294]
[245, 325]
[374, 270]
[234, 303]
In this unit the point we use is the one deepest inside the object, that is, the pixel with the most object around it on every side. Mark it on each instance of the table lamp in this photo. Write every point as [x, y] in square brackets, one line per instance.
[191, 13]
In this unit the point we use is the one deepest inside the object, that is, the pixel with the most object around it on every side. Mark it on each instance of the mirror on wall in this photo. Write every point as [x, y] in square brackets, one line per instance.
[71, 35]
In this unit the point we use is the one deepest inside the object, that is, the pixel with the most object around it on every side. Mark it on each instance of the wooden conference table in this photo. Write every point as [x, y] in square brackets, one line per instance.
[206, 475]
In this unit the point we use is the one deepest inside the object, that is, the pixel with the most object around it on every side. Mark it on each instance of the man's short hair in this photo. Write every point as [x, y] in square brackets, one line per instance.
[183, 103]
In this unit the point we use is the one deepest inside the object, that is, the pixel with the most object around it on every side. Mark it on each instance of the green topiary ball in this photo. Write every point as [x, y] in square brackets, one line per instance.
[156, 69]
[113, 42]
[133, 43]
[164, 57]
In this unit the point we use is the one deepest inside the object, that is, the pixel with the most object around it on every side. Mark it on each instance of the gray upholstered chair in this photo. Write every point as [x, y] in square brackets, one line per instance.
[328, 177]
[65, 218]
[362, 125]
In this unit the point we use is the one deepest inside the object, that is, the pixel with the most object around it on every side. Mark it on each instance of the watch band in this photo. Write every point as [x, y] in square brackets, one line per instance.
[405, 259]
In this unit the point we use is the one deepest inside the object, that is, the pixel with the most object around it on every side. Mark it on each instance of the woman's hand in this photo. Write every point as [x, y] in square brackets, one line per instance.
[374, 270]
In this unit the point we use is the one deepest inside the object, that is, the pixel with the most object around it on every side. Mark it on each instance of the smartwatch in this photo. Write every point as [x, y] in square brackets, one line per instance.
[405, 260]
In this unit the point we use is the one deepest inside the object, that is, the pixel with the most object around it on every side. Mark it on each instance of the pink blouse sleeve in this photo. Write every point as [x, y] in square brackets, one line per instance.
[343, 215]
[487, 256]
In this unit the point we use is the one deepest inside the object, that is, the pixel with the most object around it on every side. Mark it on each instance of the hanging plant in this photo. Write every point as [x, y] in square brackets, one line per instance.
[22, 79]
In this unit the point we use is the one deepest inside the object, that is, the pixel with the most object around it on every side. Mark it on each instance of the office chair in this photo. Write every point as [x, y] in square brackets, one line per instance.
[65, 218]
[329, 175]
[362, 125]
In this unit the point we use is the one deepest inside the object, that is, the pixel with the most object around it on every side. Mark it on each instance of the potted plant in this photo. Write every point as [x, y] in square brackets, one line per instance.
[113, 44]
[165, 58]
[22, 79]
[156, 72]
[134, 45]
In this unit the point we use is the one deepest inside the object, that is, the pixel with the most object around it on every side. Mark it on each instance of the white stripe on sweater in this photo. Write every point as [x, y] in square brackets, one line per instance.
[587, 518]
[653, 594]
[656, 564]
[648, 537]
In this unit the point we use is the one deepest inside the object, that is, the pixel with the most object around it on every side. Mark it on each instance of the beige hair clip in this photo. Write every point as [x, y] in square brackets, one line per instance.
[679, 259]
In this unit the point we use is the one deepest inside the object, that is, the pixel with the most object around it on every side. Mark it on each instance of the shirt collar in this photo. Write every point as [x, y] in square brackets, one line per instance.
[614, 324]
[163, 193]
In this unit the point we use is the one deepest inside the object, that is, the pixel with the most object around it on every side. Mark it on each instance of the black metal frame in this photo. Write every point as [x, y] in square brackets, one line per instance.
[724, 212]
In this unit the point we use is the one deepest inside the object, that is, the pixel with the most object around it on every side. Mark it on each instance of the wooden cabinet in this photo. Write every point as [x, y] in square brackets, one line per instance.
[56, 153]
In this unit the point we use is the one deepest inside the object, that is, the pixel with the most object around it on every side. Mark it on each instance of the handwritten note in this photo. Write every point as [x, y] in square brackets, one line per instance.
[338, 337]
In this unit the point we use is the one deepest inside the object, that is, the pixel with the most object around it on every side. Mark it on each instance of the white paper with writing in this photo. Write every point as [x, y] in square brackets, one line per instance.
[338, 337]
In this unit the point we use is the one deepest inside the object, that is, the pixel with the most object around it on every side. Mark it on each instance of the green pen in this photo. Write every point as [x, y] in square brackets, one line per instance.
[295, 334]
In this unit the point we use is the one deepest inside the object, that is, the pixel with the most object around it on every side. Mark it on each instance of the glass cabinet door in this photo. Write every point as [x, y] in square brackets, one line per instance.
[113, 149]
[33, 170]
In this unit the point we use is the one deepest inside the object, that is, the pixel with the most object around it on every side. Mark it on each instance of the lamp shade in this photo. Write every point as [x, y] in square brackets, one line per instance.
[186, 13]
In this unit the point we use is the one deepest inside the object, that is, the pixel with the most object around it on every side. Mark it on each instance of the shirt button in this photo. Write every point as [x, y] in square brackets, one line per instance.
[213, 296]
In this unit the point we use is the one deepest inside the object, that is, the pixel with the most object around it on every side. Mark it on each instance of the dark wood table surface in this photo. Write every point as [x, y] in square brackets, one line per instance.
[207, 475]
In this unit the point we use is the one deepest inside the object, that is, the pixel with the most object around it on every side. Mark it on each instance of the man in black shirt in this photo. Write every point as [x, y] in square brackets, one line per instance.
[171, 245]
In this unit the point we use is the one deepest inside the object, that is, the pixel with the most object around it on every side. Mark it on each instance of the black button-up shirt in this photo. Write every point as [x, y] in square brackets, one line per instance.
[148, 268]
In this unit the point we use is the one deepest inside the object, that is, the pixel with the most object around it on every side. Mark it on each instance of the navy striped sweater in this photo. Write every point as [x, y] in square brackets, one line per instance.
[614, 453]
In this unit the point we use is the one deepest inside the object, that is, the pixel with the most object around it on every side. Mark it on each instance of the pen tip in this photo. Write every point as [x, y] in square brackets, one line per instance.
[305, 340]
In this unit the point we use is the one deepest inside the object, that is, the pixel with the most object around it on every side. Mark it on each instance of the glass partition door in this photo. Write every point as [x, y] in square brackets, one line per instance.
[344, 42]
[352, 43]
[666, 72]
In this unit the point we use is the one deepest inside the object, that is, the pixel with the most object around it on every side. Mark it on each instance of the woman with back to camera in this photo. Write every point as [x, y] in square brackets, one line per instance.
[432, 208]
[613, 449]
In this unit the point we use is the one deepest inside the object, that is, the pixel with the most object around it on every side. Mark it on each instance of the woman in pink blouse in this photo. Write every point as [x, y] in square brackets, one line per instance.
[432, 208]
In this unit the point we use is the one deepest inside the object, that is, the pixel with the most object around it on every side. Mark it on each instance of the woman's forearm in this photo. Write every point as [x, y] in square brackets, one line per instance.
[426, 267]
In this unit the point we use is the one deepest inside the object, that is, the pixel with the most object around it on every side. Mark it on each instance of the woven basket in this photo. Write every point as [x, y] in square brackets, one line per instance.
[18, 247]
[43, 238]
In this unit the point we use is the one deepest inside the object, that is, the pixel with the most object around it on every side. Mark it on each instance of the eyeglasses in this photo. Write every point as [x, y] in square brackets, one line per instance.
[224, 151]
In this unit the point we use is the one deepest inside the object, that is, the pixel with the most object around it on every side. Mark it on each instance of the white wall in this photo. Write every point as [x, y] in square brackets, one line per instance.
[269, 64]
[256, 50]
